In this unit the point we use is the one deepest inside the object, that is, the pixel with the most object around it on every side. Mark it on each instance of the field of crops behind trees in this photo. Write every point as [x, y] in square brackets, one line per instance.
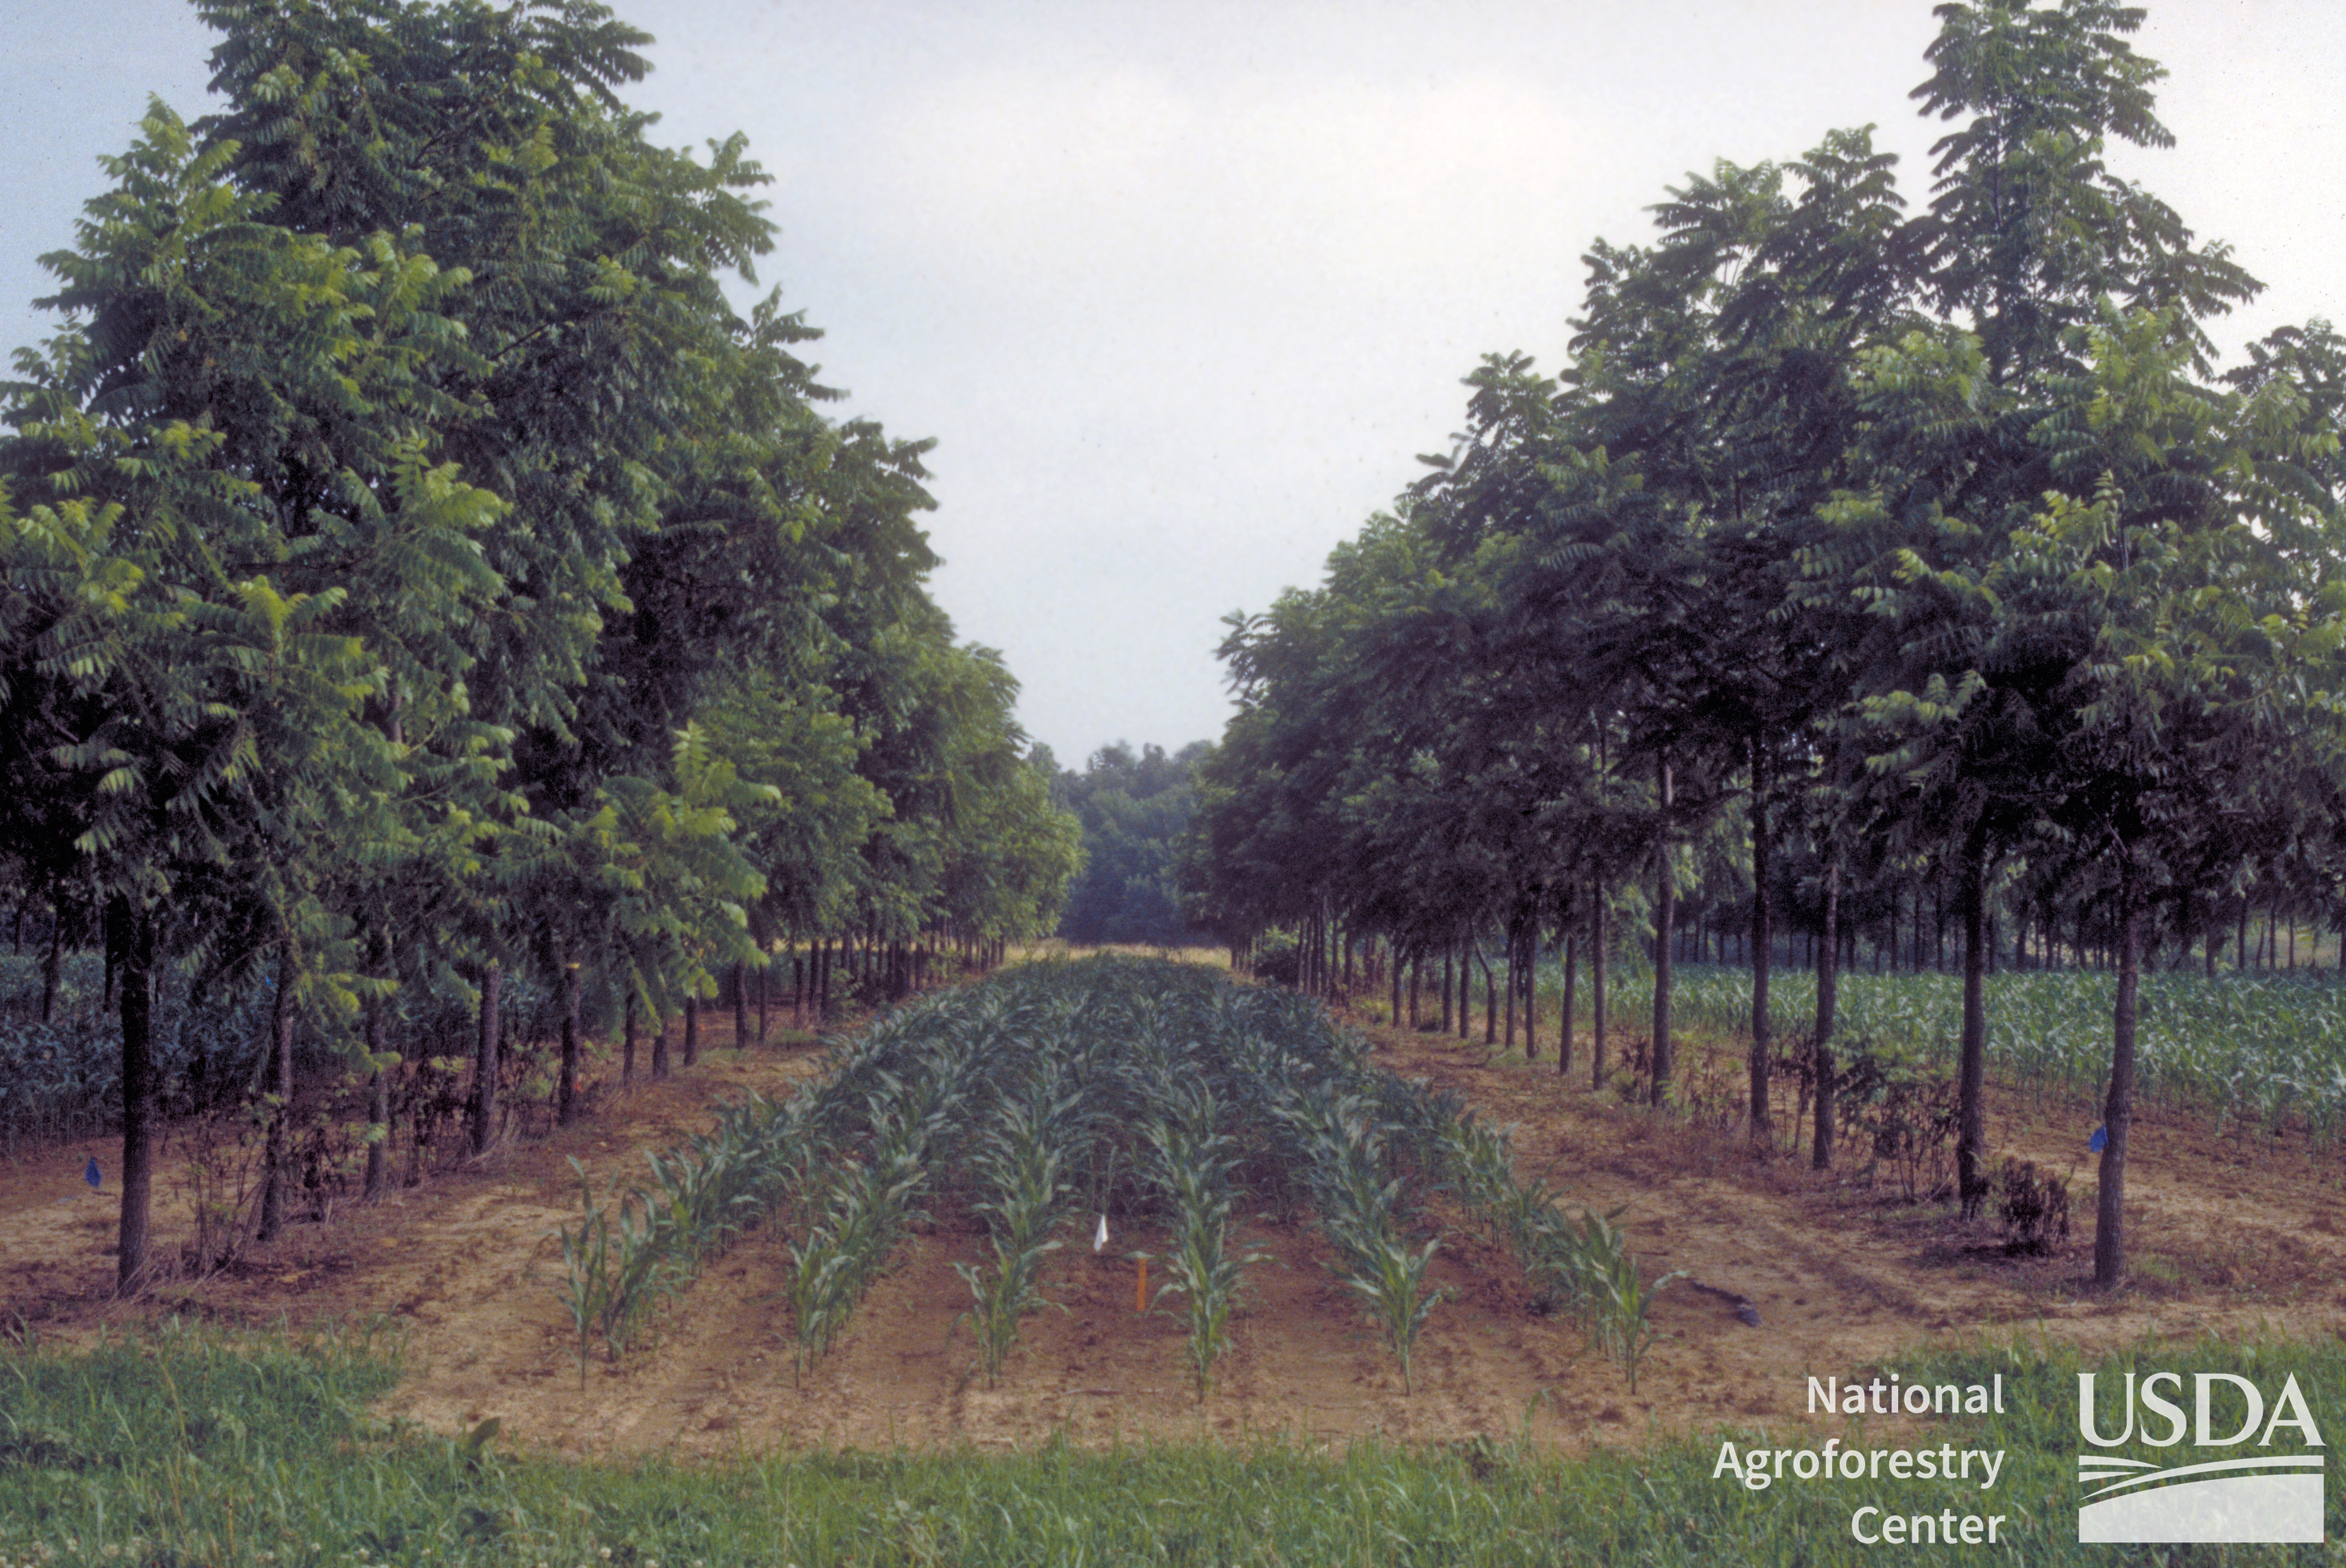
[2251, 1051]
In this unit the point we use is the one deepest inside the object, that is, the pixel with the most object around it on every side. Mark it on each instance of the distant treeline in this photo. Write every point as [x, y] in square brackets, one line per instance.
[1136, 814]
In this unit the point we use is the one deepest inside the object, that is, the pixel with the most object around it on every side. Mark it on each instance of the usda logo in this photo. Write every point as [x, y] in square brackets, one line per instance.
[2270, 1494]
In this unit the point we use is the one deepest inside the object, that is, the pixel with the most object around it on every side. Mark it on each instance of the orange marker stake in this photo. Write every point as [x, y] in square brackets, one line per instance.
[1140, 1287]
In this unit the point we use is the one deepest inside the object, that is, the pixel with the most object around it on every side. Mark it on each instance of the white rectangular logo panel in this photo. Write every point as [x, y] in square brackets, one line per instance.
[2279, 1507]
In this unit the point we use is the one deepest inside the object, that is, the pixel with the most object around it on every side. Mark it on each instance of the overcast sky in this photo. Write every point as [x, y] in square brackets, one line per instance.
[1181, 288]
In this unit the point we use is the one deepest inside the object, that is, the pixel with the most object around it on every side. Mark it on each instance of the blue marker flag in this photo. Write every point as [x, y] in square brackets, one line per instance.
[2099, 1141]
[92, 1175]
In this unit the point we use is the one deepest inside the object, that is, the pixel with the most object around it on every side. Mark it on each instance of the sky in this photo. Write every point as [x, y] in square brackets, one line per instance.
[1181, 288]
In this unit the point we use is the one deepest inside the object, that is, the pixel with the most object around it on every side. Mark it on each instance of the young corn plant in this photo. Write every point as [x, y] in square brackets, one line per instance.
[1391, 1280]
[643, 1272]
[585, 1290]
[1617, 1302]
[1361, 1211]
[616, 1265]
[1192, 1168]
[1021, 1165]
[864, 1215]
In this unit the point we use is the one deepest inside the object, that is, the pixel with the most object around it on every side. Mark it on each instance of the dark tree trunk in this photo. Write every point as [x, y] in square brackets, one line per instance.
[1762, 934]
[485, 1061]
[1514, 987]
[627, 1035]
[1971, 1110]
[1828, 953]
[765, 971]
[378, 1164]
[1571, 981]
[2117, 1113]
[1596, 987]
[740, 1005]
[1665, 908]
[1395, 1011]
[280, 1086]
[566, 1109]
[692, 1030]
[1531, 990]
[53, 965]
[1490, 999]
[1466, 989]
[132, 932]
[659, 1050]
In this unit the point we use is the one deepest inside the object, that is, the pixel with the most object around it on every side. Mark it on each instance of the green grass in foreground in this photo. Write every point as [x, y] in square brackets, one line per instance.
[186, 1448]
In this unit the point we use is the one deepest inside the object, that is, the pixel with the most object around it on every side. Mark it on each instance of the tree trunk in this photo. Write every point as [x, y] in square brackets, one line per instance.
[1531, 990]
[740, 1005]
[484, 1061]
[1466, 989]
[2117, 1113]
[280, 1086]
[378, 1164]
[1971, 1109]
[566, 1108]
[1762, 934]
[1395, 1012]
[1571, 980]
[659, 1050]
[691, 1029]
[133, 931]
[53, 965]
[1665, 908]
[765, 972]
[1489, 998]
[1516, 986]
[1596, 987]
[1828, 951]
[628, 1034]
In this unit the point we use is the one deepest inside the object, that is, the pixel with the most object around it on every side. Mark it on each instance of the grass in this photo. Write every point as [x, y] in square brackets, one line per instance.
[185, 1447]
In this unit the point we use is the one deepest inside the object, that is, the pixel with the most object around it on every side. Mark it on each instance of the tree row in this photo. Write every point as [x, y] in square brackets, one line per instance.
[1863, 561]
[415, 572]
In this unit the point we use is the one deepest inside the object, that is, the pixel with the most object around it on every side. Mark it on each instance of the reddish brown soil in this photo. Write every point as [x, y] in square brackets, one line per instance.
[1841, 1272]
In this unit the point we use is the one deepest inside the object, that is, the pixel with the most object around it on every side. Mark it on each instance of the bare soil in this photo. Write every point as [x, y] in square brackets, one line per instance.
[1842, 1272]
